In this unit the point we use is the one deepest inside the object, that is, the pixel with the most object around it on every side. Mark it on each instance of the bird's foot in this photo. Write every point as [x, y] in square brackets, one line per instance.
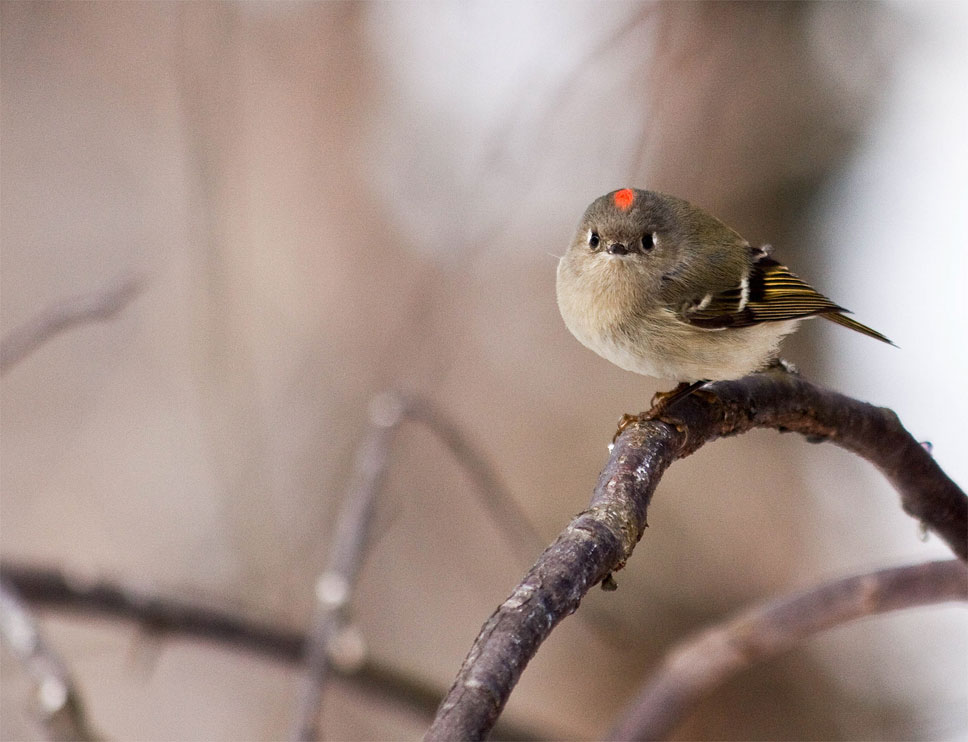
[626, 420]
[660, 401]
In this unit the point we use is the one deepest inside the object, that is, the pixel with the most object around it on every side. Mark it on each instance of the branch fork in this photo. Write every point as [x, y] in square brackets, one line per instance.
[600, 539]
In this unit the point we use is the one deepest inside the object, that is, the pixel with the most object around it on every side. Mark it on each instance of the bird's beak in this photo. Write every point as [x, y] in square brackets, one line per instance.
[617, 248]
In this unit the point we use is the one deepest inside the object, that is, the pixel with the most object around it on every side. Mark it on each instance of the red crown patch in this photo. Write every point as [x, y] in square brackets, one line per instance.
[624, 198]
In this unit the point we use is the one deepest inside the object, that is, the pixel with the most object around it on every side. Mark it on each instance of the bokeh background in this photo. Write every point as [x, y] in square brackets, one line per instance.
[327, 200]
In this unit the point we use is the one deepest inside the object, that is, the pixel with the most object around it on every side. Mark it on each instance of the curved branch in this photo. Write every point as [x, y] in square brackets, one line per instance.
[600, 539]
[784, 401]
[55, 319]
[698, 666]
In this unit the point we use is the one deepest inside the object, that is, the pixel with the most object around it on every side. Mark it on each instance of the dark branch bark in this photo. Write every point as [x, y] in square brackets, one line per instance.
[602, 538]
[693, 670]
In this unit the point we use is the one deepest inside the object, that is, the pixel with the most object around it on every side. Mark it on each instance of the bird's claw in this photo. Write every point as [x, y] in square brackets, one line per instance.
[626, 420]
[660, 400]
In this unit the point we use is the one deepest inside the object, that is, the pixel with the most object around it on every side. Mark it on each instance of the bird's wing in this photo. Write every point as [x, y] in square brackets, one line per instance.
[768, 293]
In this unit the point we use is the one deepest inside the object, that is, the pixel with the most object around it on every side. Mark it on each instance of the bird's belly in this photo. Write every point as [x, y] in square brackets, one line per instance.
[667, 348]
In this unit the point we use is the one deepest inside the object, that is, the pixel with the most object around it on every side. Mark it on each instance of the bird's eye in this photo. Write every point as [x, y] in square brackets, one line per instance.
[594, 241]
[649, 240]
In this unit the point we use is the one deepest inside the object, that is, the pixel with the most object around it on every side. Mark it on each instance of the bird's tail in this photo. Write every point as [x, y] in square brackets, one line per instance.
[853, 324]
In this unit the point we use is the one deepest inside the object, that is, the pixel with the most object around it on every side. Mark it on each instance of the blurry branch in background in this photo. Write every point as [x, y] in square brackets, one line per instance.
[331, 638]
[594, 545]
[600, 540]
[166, 616]
[331, 647]
[698, 666]
[334, 587]
[80, 310]
[331, 642]
[172, 617]
[57, 702]
[510, 519]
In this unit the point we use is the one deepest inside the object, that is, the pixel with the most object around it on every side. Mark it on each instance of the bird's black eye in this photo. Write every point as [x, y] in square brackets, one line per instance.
[649, 240]
[594, 241]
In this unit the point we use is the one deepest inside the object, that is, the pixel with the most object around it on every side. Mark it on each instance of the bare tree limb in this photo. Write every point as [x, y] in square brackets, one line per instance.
[602, 538]
[169, 616]
[335, 585]
[57, 702]
[695, 668]
[96, 307]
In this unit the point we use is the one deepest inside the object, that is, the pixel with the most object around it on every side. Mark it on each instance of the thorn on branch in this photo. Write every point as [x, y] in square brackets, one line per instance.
[609, 584]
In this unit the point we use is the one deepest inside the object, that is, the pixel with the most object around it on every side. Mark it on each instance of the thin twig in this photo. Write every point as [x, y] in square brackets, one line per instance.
[512, 521]
[601, 539]
[96, 307]
[695, 668]
[165, 616]
[334, 587]
[56, 701]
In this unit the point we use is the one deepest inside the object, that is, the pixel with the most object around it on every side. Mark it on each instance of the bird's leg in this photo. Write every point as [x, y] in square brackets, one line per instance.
[660, 400]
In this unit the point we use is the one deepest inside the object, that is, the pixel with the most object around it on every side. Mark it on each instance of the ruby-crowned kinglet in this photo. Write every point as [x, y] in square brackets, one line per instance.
[660, 287]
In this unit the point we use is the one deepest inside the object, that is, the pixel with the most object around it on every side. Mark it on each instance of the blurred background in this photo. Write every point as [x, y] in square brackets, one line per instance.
[327, 200]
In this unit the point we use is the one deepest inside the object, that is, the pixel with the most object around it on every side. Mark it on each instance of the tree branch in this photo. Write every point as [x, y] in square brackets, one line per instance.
[695, 668]
[96, 307]
[599, 540]
[493, 493]
[334, 587]
[164, 616]
[57, 701]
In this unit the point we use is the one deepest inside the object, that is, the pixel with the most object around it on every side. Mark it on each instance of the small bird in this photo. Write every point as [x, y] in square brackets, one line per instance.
[659, 287]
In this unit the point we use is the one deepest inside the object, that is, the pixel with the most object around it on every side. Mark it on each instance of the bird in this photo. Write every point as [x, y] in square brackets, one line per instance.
[662, 288]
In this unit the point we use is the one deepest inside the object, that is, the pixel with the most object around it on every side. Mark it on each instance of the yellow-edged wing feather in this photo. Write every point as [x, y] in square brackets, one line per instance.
[770, 293]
